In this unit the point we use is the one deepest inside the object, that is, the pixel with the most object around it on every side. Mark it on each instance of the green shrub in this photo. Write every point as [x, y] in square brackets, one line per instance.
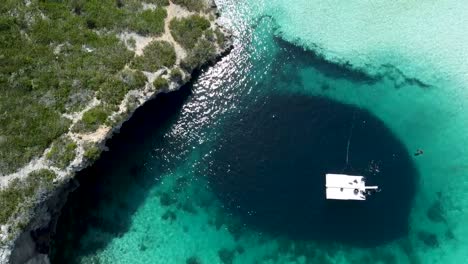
[191, 5]
[20, 194]
[220, 38]
[10, 199]
[92, 152]
[159, 2]
[42, 178]
[160, 83]
[131, 42]
[112, 91]
[116, 119]
[156, 55]
[203, 52]
[209, 35]
[111, 57]
[62, 152]
[132, 104]
[186, 31]
[102, 14]
[134, 79]
[176, 75]
[27, 129]
[92, 119]
[149, 22]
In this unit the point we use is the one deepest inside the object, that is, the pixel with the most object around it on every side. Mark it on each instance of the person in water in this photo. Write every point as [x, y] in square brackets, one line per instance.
[419, 152]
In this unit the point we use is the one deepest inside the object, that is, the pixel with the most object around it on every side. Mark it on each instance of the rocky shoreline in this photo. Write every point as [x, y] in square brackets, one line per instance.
[30, 242]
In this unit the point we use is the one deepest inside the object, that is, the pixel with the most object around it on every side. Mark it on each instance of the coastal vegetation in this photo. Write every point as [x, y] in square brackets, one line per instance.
[188, 30]
[91, 152]
[156, 55]
[113, 90]
[194, 34]
[203, 51]
[149, 22]
[53, 62]
[18, 197]
[220, 38]
[56, 56]
[192, 5]
[62, 152]
[176, 75]
[160, 83]
[71, 71]
[92, 119]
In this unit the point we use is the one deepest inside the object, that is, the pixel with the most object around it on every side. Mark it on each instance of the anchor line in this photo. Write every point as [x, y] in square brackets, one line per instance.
[349, 138]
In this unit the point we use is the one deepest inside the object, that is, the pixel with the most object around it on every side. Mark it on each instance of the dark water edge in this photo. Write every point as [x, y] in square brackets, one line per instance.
[309, 58]
[86, 206]
[272, 159]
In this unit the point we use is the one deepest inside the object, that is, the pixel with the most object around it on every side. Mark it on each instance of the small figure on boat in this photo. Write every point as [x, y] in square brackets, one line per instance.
[418, 152]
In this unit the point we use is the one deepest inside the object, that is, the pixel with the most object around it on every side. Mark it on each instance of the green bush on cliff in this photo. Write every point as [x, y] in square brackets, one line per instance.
[120, 15]
[20, 193]
[91, 152]
[159, 2]
[27, 128]
[191, 5]
[209, 35]
[149, 22]
[188, 30]
[220, 38]
[176, 75]
[204, 51]
[92, 119]
[134, 79]
[10, 198]
[156, 55]
[62, 152]
[112, 91]
[42, 178]
[100, 13]
[160, 83]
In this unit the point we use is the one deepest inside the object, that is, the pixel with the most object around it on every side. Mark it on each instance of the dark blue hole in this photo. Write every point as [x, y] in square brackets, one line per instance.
[272, 159]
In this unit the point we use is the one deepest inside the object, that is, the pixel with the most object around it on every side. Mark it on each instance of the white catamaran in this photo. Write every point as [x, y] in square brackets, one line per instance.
[347, 187]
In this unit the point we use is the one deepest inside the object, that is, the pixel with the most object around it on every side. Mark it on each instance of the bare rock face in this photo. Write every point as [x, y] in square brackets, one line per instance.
[33, 245]
[26, 250]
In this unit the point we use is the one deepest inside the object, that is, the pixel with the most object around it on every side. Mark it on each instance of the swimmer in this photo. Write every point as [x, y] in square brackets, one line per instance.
[418, 152]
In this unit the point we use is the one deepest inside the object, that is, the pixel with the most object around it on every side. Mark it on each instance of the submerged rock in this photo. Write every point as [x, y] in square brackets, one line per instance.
[429, 239]
[193, 260]
[435, 213]
[226, 256]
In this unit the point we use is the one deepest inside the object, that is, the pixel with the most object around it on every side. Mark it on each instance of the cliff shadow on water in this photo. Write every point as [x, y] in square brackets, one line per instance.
[272, 159]
[114, 187]
[304, 58]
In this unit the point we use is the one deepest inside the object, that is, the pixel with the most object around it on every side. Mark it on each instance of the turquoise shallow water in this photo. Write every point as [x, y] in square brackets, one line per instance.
[228, 170]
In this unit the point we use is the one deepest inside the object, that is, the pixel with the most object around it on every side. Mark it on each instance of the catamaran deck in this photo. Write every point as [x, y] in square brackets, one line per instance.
[346, 187]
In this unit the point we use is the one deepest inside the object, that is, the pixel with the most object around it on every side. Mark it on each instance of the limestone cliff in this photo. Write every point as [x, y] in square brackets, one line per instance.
[25, 235]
